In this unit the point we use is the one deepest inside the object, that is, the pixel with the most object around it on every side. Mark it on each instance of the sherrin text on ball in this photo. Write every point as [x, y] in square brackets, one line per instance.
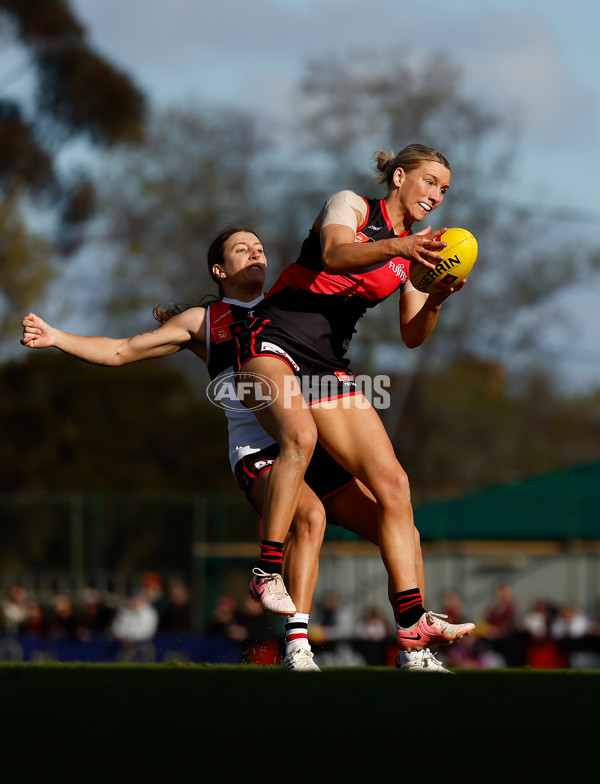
[460, 254]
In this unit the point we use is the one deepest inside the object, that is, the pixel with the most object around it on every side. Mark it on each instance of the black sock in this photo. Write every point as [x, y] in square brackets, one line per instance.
[408, 606]
[271, 557]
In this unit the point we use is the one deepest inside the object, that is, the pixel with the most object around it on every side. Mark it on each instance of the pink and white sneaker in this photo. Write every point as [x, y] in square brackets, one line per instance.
[270, 592]
[431, 628]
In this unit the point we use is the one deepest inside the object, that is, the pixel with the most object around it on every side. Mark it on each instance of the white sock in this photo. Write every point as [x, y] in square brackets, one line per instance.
[296, 632]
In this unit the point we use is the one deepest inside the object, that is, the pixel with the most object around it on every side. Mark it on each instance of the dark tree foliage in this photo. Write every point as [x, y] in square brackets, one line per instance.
[21, 157]
[70, 426]
[77, 94]
[164, 201]
[77, 89]
[463, 427]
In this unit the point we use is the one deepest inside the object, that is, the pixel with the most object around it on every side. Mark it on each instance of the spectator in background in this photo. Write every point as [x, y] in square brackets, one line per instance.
[501, 629]
[136, 620]
[452, 606]
[335, 621]
[153, 590]
[570, 622]
[375, 639]
[373, 626]
[14, 610]
[34, 624]
[225, 621]
[95, 617]
[261, 636]
[176, 615]
[541, 650]
[62, 621]
[501, 616]
[249, 626]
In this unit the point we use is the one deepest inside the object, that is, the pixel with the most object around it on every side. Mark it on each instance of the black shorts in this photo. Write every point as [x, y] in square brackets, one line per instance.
[321, 378]
[324, 475]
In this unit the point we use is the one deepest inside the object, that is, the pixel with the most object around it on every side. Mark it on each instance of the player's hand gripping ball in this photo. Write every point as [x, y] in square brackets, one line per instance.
[460, 254]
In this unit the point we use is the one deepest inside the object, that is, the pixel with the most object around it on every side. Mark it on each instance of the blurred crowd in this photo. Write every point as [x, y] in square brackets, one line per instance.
[542, 635]
[152, 608]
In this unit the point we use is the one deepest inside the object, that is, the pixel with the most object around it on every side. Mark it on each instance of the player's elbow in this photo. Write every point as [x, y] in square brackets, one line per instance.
[413, 343]
[413, 339]
[329, 262]
[118, 358]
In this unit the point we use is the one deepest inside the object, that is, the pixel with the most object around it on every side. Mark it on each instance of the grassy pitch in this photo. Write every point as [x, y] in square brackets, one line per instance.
[201, 723]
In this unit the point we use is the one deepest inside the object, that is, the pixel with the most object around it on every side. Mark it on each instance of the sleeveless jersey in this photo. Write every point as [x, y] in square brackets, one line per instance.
[225, 320]
[319, 309]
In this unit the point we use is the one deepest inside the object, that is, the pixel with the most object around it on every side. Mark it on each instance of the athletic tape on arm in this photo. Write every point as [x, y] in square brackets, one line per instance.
[341, 209]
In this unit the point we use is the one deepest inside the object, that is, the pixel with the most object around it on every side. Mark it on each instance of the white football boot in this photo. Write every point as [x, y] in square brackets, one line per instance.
[301, 659]
[422, 660]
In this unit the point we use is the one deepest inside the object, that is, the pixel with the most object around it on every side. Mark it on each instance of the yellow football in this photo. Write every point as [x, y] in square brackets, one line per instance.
[460, 254]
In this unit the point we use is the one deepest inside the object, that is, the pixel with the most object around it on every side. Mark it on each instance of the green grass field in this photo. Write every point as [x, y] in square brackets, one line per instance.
[194, 723]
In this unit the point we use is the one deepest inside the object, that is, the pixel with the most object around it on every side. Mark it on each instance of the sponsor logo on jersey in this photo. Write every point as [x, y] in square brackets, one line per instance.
[220, 334]
[343, 375]
[226, 314]
[399, 269]
[227, 331]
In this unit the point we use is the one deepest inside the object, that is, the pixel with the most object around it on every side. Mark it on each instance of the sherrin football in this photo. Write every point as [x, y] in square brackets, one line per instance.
[460, 254]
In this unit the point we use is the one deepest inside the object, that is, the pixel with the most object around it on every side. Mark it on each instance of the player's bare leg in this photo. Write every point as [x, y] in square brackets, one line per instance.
[300, 570]
[353, 433]
[288, 420]
[354, 508]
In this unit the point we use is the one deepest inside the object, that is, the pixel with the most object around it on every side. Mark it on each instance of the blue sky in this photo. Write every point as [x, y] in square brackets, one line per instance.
[535, 62]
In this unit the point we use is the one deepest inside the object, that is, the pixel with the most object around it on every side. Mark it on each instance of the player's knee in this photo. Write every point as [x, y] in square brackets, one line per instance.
[298, 445]
[394, 487]
[309, 524]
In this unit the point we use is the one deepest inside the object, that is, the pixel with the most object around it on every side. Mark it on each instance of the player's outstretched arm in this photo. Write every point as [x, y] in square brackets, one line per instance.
[179, 332]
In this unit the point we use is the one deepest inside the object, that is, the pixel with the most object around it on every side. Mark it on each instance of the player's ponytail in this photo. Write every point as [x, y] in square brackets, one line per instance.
[409, 158]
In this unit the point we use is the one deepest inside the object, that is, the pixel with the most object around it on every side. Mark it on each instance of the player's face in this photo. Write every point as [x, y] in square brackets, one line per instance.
[244, 258]
[422, 190]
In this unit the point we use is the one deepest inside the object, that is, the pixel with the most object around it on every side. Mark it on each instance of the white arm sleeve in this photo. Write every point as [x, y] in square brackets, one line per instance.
[344, 208]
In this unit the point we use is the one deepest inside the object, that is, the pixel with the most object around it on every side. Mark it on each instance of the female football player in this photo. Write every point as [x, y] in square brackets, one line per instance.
[357, 253]
[237, 263]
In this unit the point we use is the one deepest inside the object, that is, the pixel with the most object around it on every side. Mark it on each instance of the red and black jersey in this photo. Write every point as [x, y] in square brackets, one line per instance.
[321, 309]
[225, 321]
